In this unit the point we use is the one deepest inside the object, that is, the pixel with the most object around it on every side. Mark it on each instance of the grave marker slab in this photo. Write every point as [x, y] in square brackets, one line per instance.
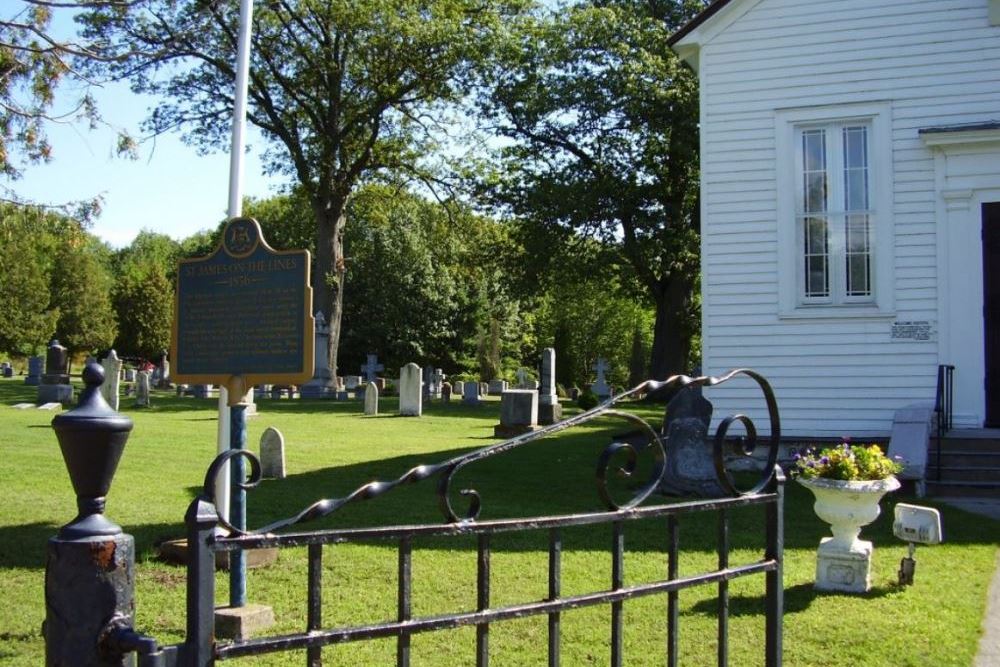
[371, 399]
[470, 393]
[112, 374]
[549, 408]
[410, 394]
[518, 413]
[272, 454]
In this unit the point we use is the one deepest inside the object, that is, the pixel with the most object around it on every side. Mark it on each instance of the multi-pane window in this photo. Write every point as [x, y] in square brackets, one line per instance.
[834, 214]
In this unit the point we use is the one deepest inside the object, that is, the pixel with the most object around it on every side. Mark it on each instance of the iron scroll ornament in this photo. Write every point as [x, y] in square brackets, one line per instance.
[744, 446]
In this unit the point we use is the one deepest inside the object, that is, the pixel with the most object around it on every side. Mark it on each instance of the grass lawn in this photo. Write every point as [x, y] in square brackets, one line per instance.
[331, 449]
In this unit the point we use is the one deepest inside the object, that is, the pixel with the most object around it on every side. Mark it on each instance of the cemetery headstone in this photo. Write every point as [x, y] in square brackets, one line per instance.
[371, 367]
[470, 393]
[690, 467]
[23, 406]
[36, 366]
[410, 394]
[142, 387]
[380, 383]
[50, 406]
[183, 390]
[458, 387]
[522, 378]
[352, 382]
[497, 387]
[371, 399]
[7, 369]
[549, 408]
[484, 388]
[55, 386]
[437, 382]
[518, 413]
[112, 374]
[600, 386]
[130, 375]
[323, 383]
[446, 392]
[261, 391]
[200, 390]
[276, 391]
[164, 374]
[272, 454]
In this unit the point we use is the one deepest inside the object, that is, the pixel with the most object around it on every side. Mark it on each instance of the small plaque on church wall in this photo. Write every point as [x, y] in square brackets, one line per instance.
[921, 330]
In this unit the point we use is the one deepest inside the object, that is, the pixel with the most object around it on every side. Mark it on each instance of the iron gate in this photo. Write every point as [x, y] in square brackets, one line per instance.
[200, 647]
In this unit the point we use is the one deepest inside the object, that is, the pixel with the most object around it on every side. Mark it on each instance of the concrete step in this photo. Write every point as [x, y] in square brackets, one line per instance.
[964, 457]
[951, 442]
[965, 473]
[964, 489]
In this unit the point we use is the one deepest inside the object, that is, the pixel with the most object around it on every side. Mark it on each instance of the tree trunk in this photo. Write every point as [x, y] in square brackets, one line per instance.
[328, 283]
[671, 338]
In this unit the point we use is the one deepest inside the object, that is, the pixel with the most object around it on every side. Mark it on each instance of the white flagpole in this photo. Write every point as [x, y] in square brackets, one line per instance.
[236, 149]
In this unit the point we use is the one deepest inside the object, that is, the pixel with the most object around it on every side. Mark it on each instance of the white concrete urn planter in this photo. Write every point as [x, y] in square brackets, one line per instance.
[843, 562]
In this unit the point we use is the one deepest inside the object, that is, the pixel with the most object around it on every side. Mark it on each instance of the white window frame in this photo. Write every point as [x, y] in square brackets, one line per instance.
[791, 266]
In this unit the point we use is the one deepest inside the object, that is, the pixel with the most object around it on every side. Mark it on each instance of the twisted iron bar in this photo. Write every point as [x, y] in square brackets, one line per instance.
[447, 469]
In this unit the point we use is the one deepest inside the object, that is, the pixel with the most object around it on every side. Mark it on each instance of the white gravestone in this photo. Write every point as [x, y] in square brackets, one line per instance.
[272, 454]
[470, 393]
[371, 399]
[497, 387]
[458, 387]
[410, 394]
[112, 374]
[600, 387]
[142, 389]
[549, 408]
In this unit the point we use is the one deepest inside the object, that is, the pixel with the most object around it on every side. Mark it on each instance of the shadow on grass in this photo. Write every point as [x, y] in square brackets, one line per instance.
[24, 546]
[798, 598]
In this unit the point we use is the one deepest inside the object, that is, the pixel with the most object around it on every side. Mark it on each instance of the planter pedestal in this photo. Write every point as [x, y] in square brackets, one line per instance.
[844, 562]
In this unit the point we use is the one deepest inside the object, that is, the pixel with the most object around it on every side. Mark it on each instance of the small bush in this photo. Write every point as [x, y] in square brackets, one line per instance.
[587, 400]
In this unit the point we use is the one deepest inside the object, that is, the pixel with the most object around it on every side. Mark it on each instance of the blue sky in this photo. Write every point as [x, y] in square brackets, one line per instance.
[169, 189]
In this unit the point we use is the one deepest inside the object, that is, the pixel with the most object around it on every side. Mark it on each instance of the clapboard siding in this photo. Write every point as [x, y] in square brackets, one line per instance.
[936, 63]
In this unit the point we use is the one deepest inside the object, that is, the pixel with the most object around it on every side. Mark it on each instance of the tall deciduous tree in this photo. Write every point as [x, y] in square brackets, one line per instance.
[342, 89]
[603, 119]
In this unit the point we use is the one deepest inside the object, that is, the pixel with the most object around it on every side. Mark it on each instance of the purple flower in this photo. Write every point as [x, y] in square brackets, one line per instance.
[825, 460]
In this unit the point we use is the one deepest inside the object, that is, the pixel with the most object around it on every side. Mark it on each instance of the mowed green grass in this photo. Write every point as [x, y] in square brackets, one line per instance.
[331, 448]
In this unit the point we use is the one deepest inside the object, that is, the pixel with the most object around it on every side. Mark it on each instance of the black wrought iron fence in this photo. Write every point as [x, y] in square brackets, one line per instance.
[766, 489]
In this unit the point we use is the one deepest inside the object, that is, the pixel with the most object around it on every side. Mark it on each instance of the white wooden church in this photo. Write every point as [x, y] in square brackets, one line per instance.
[850, 193]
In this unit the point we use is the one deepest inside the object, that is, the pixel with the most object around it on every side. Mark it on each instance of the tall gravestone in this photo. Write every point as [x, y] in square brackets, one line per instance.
[164, 375]
[410, 391]
[458, 387]
[371, 399]
[272, 454]
[446, 392]
[112, 378]
[36, 366]
[600, 387]
[322, 384]
[142, 387]
[55, 386]
[690, 467]
[549, 408]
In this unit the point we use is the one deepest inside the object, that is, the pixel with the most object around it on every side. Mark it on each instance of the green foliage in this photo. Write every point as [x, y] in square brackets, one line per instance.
[847, 462]
[602, 122]
[80, 291]
[143, 302]
[586, 400]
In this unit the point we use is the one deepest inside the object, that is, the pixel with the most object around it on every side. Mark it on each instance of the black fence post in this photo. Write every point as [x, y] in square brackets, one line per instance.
[201, 520]
[89, 578]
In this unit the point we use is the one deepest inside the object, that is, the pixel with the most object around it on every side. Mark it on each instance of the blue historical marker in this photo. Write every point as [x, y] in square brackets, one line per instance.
[243, 316]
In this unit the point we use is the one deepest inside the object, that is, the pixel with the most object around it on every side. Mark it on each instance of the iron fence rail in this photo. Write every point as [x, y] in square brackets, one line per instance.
[201, 649]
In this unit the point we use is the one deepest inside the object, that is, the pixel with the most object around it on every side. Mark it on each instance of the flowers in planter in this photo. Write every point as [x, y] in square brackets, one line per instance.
[847, 462]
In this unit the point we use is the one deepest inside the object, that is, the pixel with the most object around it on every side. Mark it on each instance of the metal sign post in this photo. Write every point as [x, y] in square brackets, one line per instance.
[243, 317]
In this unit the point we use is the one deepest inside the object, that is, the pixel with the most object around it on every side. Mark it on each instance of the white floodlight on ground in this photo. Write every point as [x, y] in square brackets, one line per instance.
[915, 524]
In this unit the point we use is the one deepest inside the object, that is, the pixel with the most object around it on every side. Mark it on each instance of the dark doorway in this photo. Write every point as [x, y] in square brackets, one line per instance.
[991, 310]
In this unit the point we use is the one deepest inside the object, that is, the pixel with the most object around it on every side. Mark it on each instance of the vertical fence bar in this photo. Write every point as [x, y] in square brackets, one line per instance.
[617, 581]
[237, 505]
[314, 620]
[555, 590]
[775, 605]
[404, 600]
[483, 600]
[201, 520]
[723, 601]
[673, 612]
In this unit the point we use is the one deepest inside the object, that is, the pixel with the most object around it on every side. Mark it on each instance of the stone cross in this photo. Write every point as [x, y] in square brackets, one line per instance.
[272, 454]
[410, 394]
[600, 387]
[371, 368]
[112, 374]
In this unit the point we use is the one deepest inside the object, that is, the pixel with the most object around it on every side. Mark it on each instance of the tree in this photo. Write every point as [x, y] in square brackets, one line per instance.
[81, 291]
[33, 62]
[143, 302]
[343, 90]
[603, 119]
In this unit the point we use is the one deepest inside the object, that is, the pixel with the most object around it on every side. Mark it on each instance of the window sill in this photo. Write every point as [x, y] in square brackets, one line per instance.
[829, 312]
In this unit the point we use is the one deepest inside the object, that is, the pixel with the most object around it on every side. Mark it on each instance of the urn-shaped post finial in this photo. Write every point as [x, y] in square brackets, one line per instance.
[92, 438]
